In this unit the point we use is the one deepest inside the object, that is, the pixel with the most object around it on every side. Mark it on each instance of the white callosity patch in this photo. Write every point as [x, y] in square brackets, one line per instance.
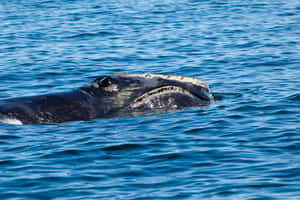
[111, 88]
[182, 79]
[158, 92]
[11, 121]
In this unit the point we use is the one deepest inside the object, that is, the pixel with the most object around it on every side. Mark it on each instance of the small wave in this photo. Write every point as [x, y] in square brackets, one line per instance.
[122, 147]
[294, 97]
[221, 96]
[84, 35]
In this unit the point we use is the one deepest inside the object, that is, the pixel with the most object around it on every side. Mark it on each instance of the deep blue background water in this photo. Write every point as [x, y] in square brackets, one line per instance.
[244, 146]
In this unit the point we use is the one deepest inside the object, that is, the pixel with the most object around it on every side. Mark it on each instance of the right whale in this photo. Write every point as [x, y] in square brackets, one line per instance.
[109, 96]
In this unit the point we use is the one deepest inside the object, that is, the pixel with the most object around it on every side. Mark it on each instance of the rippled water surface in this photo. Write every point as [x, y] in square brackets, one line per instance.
[246, 145]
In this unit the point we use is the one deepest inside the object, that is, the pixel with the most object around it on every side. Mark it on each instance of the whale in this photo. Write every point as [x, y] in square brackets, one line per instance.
[109, 96]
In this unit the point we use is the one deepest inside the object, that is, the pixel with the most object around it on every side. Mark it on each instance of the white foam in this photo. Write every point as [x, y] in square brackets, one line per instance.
[11, 121]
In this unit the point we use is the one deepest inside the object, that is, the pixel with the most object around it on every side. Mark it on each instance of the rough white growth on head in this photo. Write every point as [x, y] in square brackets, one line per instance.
[11, 121]
[178, 78]
[93, 84]
[111, 88]
[158, 92]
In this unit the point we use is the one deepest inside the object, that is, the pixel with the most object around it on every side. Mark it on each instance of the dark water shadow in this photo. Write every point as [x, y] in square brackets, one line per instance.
[220, 96]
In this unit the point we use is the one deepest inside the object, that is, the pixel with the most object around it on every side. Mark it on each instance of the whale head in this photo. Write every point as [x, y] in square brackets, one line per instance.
[140, 93]
[108, 96]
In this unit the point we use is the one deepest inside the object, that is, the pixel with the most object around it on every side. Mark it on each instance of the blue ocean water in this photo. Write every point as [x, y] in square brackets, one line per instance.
[246, 145]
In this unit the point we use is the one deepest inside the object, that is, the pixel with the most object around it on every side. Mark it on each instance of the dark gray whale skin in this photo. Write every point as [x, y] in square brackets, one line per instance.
[109, 96]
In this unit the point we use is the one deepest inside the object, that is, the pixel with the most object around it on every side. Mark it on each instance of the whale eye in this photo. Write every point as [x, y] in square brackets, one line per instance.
[105, 82]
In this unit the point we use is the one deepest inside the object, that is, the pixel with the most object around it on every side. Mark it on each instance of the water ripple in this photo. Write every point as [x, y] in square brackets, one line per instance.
[89, 35]
[294, 97]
